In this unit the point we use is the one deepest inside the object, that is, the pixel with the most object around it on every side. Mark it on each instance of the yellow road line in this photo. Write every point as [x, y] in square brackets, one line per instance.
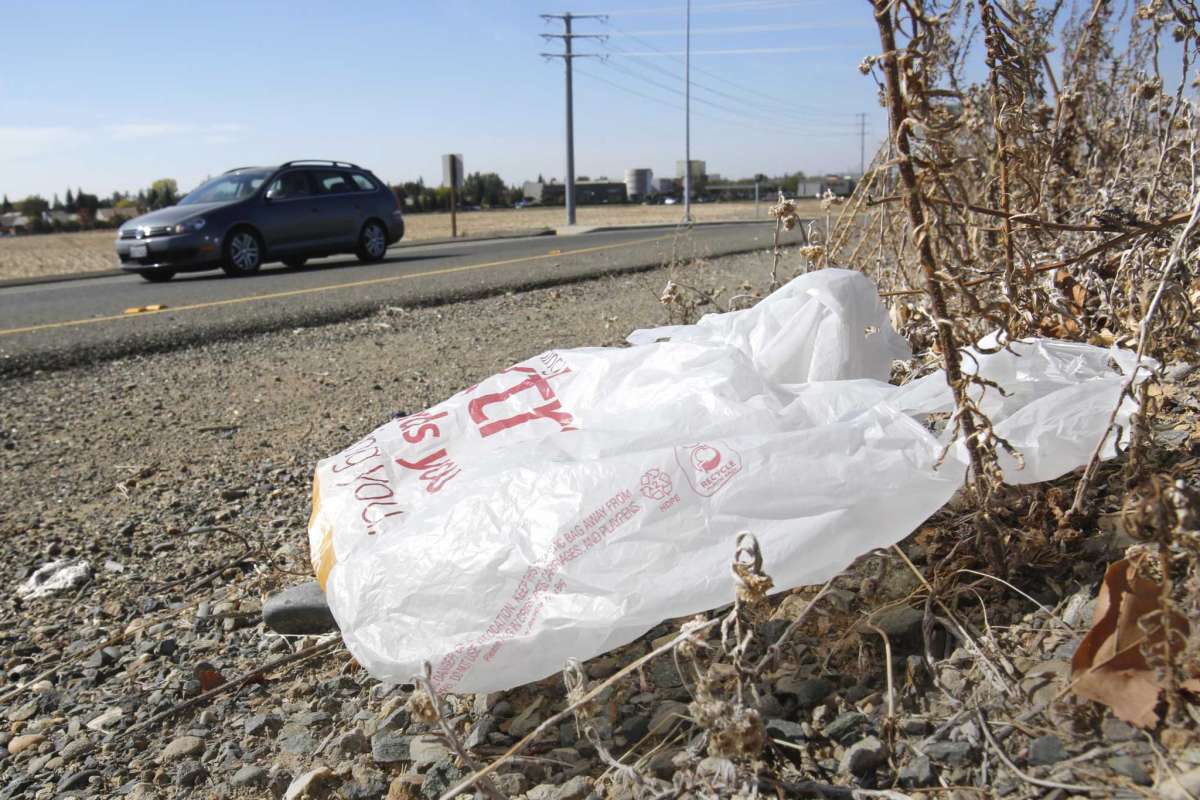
[318, 289]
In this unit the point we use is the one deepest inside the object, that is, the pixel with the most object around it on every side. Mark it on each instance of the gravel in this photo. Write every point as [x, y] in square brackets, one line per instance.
[182, 480]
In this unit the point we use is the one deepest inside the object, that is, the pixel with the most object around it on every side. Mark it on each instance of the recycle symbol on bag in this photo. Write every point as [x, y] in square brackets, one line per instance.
[656, 484]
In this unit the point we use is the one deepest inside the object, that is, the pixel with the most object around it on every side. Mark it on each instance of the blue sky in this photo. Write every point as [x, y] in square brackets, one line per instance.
[116, 94]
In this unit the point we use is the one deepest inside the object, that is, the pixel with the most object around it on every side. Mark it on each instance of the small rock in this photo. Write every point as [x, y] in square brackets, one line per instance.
[916, 773]
[1046, 750]
[577, 788]
[54, 577]
[388, 747]
[955, 754]
[23, 712]
[299, 610]
[440, 777]
[479, 733]
[250, 775]
[296, 738]
[1114, 730]
[914, 726]
[847, 727]
[808, 691]
[784, 729]
[405, 787]
[190, 772]
[309, 782]
[19, 743]
[427, 749]
[182, 747]
[667, 715]
[261, 724]
[350, 744]
[510, 784]
[75, 749]
[77, 780]
[107, 718]
[864, 756]
[900, 623]
[1130, 768]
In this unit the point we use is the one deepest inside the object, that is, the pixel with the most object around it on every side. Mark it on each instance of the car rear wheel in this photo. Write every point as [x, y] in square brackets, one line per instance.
[158, 275]
[372, 242]
[295, 262]
[243, 253]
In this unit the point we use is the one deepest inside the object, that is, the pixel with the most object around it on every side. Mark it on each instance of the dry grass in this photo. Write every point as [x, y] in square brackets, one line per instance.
[53, 254]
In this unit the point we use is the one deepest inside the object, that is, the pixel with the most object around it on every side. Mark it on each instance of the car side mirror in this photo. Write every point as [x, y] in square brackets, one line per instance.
[270, 195]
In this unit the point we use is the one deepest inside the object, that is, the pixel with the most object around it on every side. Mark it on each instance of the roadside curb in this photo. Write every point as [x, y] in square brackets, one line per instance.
[584, 229]
[66, 277]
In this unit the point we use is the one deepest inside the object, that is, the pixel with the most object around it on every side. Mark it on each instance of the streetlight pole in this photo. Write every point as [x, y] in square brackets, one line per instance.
[687, 113]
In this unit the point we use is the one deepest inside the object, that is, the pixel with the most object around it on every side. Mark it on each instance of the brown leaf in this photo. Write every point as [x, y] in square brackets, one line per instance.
[1109, 666]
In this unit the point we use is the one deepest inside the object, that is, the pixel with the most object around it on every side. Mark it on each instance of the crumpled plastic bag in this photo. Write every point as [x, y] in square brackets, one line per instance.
[568, 504]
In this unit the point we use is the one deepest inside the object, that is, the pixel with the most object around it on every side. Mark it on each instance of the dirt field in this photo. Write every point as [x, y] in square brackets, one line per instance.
[53, 254]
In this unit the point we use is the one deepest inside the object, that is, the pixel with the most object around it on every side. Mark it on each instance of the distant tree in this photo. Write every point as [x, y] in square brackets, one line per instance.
[86, 205]
[516, 193]
[484, 189]
[69, 204]
[57, 205]
[162, 193]
[540, 178]
[33, 206]
[141, 198]
[6, 207]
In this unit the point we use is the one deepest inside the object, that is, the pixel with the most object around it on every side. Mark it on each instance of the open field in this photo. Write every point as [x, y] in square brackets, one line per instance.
[91, 251]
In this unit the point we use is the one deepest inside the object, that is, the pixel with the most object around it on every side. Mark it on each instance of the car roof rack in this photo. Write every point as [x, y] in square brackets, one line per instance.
[319, 161]
[238, 169]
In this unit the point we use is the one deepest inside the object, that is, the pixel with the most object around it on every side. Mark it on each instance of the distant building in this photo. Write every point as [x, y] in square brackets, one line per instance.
[113, 214]
[639, 183]
[14, 222]
[586, 193]
[666, 185]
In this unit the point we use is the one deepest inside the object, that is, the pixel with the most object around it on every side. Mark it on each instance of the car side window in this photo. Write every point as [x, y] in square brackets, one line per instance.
[289, 185]
[331, 182]
[363, 182]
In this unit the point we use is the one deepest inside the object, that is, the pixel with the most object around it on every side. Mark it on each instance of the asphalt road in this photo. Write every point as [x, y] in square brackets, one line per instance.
[52, 325]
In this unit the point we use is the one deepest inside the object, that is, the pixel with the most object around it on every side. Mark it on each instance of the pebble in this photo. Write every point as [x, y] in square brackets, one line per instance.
[306, 784]
[23, 712]
[250, 775]
[190, 772]
[847, 727]
[20, 743]
[74, 749]
[1130, 768]
[299, 610]
[955, 754]
[296, 738]
[427, 749]
[864, 756]
[440, 777]
[576, 788]
[784, 729]
[182, 747]
[808, 691]
[261, 724]
[350, 744]
[1046, 750]
[916, 773]
[388, 747]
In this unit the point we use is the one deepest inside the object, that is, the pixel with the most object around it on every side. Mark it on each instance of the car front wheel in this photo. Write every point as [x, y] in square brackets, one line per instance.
[372, 242]
[243, 253]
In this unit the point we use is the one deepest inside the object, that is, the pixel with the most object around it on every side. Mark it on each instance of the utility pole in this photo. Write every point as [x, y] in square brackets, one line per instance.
[862, 145]
[687, 113]
[568, 56]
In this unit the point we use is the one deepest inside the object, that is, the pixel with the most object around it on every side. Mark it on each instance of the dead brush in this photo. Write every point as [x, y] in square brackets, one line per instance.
[1057, 199]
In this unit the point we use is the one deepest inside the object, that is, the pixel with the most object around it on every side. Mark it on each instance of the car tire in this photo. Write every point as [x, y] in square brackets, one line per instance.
[158, 275]
[295, 262]
[243, 253]
[372, 242]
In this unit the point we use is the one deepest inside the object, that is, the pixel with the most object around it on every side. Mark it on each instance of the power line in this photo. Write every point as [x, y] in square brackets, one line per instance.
[784, 103]
[737, 98]
[744, 5]
[800, 26]
[765, 116]
[675, 106]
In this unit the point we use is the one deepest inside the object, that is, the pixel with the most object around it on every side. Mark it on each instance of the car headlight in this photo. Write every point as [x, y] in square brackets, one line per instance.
[190, 226]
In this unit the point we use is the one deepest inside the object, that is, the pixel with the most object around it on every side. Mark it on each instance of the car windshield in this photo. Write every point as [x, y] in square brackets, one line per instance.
[225, 188]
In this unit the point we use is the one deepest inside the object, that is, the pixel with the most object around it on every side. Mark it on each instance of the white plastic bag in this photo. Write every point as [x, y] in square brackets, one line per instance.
[568, 504]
